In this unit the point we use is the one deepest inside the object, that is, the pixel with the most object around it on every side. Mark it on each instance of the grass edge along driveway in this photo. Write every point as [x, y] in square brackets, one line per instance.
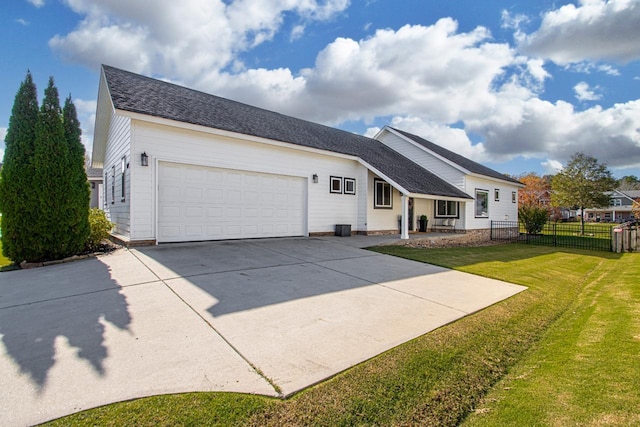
[483, 369]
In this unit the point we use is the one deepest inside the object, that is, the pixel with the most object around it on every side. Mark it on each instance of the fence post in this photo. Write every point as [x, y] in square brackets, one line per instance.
[555, 234]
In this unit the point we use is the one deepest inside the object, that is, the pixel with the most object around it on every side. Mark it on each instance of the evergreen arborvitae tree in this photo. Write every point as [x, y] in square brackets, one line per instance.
[52, 181]
[18, 202]
[79, 192]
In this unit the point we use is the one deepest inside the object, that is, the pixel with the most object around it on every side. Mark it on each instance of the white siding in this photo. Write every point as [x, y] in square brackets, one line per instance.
[165, 143]
[501, 210]
[423, 158]
[118, 146]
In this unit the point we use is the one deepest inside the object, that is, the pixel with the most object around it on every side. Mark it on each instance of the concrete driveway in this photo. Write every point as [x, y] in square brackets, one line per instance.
[263, 316]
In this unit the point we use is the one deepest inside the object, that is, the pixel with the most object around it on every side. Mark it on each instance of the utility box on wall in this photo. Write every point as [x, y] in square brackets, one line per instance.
[343, 230]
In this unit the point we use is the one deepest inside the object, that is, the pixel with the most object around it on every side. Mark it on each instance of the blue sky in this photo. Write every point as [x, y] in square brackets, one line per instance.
[514, 84]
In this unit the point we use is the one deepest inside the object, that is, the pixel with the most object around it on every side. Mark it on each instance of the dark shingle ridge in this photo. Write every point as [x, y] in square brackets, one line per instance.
[139, 94]
[462, 161]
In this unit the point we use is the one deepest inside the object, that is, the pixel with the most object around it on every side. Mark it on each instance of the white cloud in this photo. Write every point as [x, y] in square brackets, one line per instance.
[596, 30]
[296, 32]
[22, 22]
[36, 3]
[540, 129]
[182, 40]
[585, 93]
[551, 167]
[466, 79]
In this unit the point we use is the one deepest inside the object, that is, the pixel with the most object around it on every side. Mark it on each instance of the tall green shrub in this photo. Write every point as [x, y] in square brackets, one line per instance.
[52, 181]
[79, 193]
[19, 204]
[533, 218]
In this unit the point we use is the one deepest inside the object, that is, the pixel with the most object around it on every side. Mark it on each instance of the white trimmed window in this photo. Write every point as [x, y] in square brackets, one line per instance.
[335, 185]
[482, 203]
[349, 186]
[496, 194]
[383, 195]
[123, 168]
[514, 197]
[446, 209]
[113, 184]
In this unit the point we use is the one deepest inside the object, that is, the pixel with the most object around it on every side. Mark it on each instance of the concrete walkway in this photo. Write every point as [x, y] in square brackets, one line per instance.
[264, 316]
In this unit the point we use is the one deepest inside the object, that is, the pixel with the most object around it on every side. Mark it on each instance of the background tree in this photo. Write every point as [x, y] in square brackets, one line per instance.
[534, 202]
[583, 182]
[79, 193]
[18, 203]
[635, 208]
[629, 182]
[537, 190]
[52, 181]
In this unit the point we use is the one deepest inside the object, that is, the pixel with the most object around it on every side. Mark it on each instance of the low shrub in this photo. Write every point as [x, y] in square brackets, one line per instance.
[100, 228]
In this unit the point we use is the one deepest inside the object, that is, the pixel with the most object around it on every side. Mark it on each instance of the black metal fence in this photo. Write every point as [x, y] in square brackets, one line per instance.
[562, 234]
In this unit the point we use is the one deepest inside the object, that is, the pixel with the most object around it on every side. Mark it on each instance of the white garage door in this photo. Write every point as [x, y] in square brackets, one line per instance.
[203, 203]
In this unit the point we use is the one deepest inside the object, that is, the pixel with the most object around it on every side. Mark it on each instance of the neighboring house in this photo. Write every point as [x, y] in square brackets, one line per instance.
[182, 165]
[94, 175]
[619, 209]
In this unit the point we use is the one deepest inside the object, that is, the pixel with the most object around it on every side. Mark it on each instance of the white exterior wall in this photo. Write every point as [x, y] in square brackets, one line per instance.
[428, 161]
[166, 143]
[118, 146]
[501, 210]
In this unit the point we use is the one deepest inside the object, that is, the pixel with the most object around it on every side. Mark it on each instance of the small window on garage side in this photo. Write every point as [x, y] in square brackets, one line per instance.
[514, 197]
[496, 194]
[123, 169]
[383, 195]
[482, 203]
[349, 186]
[335, 183]
[113, 184]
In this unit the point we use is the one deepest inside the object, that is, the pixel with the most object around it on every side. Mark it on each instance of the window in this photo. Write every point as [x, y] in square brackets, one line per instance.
[113, 184]
[123, 168]
[349, 186]
[615, 202]
[383, 195]
[335, 185]
[514, 197]
[446, 208]
[482, 203]
[496, 194]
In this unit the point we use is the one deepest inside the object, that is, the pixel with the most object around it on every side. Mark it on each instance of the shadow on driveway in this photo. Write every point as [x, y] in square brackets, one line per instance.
[72, 301]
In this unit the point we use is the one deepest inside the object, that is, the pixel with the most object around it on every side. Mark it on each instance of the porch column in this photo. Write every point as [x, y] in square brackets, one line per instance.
[405, 215]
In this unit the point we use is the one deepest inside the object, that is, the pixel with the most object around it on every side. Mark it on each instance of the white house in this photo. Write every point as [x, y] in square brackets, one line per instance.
[182, 165]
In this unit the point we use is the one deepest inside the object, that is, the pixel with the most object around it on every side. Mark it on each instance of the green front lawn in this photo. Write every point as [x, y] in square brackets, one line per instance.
[566, 351]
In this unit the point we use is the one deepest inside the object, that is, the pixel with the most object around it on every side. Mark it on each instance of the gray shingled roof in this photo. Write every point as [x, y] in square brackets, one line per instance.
[94, 172]
[462, 161]
[139, 94]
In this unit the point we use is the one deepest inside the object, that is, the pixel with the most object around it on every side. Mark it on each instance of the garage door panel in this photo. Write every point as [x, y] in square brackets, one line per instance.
[201, 203]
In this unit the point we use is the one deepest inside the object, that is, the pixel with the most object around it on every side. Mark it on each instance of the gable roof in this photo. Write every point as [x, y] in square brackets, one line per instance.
[144, 95]
[461, 161]
[632, 194]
